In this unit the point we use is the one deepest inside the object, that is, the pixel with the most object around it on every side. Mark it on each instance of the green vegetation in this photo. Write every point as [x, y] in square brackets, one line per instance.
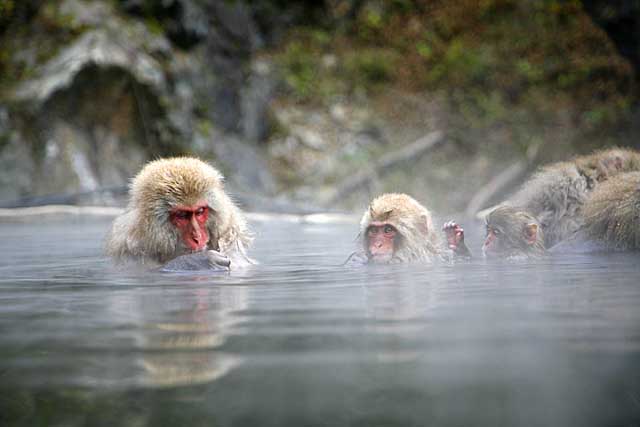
[6, 9]
[507, 62]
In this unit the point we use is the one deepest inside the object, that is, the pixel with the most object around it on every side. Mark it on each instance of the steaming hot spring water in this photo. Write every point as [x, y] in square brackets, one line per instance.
[299, 340]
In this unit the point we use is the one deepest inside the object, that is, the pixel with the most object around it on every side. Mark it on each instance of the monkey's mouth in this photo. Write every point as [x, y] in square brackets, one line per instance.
[192, 248]
[193, 245]
[488, 252]
[380, 258]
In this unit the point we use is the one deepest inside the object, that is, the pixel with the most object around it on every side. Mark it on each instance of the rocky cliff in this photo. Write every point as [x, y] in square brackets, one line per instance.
[323, 104]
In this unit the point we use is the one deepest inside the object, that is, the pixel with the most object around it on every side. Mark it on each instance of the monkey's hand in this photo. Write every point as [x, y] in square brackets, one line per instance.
[356, 259]
[204, 260]
[455, 238]
[217, 260]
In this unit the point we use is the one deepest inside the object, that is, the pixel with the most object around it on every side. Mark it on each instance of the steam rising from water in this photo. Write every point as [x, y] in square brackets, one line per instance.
[299, 340]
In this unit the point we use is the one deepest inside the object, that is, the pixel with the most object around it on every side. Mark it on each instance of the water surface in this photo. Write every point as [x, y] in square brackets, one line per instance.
[301, 341]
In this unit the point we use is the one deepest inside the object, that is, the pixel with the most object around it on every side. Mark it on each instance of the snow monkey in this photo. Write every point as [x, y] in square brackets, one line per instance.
[396, 228]
[179, 217]
[563, 200]
[510, 233]
[612, 213]
[556, 194]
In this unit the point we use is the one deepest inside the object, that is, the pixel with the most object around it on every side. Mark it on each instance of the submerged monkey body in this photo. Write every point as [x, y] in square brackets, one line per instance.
[178, 207]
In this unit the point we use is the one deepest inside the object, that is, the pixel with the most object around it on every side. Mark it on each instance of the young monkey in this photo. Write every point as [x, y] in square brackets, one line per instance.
[554, 205]
[395, 228]
[556, 193]
[609, 218]
[510, 233]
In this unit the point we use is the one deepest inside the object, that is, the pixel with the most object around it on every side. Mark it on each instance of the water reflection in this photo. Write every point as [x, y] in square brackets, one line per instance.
[299, 340]
[183, 347]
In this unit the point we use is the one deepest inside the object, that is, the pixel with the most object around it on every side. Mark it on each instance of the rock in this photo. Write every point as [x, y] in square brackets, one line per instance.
[93, 113]
[256, 96]
[110, 90]
[309, 137]
[95, 48]
[233, 36]
[16, 164]
[249, 171]
[81, 13]
[185, 21]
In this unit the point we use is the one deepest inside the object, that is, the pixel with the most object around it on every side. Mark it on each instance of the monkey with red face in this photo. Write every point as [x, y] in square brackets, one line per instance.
[395, 228]
[179, 217]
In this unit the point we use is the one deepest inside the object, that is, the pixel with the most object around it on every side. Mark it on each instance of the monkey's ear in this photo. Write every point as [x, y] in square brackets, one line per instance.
[531, 233]
[424, 224]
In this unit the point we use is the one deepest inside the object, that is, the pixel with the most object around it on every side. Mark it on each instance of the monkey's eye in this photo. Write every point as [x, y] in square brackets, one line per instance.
[182, 215]
[201, 211]
[372, 230]
[388, 229]
[494, 231]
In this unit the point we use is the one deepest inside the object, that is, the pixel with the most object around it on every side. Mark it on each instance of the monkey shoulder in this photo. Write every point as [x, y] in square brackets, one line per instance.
[119, 242]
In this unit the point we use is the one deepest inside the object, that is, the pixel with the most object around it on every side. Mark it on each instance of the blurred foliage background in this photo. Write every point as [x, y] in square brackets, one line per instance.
[311, 105]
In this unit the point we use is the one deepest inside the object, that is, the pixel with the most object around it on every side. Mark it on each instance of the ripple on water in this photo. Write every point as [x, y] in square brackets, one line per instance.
[300, 340]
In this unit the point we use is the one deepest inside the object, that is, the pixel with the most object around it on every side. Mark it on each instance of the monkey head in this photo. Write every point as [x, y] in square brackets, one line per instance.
[512, 232]
[177, 205]
[396, 227]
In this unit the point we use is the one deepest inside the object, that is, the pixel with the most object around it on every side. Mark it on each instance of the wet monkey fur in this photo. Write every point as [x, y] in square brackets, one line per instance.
[180, 217]
[555, 195]
[511, 233]
[395, 228]
[612, 213]
[569, 206]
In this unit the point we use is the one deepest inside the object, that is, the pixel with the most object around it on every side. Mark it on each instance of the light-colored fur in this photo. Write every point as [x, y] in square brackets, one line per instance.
[612, 212]
[556, 193]
[419, 240]
[144, 234]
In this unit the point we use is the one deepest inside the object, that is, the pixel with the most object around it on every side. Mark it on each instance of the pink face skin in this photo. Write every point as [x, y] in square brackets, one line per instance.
[191, 221]
[490, 243]
[381, 242]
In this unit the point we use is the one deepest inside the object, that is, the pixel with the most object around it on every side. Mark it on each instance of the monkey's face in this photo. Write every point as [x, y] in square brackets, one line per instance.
[505, 240]
[494, 244]
[382, 240]
[191, 222]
